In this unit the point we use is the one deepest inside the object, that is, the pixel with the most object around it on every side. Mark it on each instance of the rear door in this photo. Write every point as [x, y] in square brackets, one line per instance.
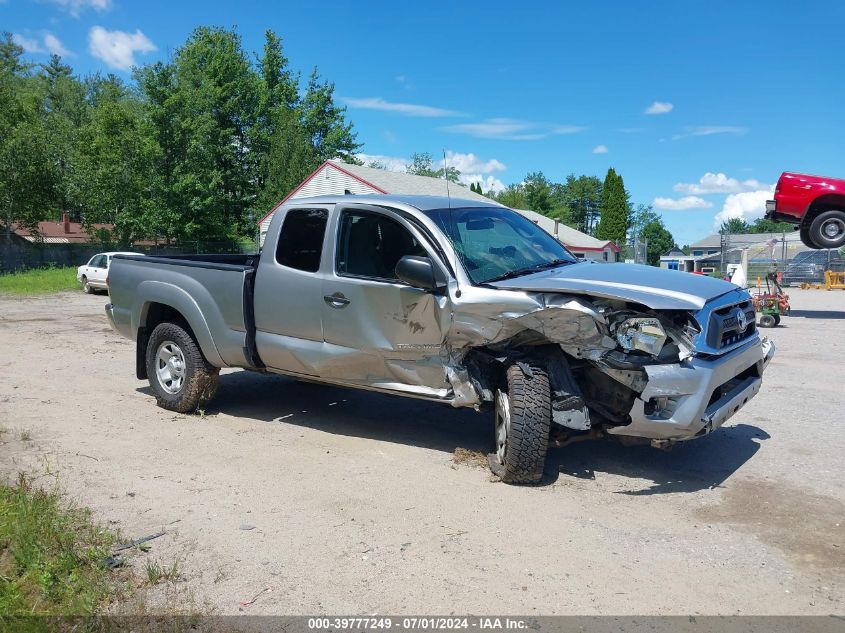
[288, 293]
[380, 331]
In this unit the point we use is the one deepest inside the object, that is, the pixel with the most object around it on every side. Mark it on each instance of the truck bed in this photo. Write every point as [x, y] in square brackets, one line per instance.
[214, 293]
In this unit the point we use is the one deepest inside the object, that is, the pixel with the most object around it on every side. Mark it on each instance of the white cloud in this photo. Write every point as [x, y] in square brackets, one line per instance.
[45, 43]
[28, 44]
[600, 149]
[681, 204]
[55, 46]
[390, 163]
[489, 183]
[511, 129]
[659, 107]
[75, 7]
[748, 206]
[719, 183]
[470, 163]
[408, 109]
[709, 130]
[118, 48]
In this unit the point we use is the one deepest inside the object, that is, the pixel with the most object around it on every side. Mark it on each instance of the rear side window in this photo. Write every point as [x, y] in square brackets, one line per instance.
[301, 240]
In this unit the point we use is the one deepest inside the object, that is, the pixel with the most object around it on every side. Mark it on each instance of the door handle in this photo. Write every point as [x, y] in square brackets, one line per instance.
[337, 300]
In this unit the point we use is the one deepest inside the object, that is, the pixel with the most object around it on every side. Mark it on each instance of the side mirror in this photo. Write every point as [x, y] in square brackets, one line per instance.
[417, 272]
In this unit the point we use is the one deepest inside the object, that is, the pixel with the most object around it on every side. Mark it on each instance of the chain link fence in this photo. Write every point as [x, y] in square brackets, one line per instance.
[783, 254]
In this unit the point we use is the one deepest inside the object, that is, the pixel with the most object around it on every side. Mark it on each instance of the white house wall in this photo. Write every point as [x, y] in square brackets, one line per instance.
[328, 181]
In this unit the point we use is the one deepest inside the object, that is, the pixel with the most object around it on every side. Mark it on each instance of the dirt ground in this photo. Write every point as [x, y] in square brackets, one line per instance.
[349, 502]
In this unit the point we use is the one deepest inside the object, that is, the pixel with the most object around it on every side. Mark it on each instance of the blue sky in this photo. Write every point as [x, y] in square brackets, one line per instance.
[699, 105]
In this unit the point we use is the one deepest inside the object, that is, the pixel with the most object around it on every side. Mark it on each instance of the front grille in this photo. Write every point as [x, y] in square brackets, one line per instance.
[726, 328]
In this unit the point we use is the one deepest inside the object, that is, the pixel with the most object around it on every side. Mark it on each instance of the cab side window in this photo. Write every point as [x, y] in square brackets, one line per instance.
[370, 245]
[301, 240]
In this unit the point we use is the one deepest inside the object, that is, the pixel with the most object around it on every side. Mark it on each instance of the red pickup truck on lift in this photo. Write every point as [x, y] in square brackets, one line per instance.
[815, 203]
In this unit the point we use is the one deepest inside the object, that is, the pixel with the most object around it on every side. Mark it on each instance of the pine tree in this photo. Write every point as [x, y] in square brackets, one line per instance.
[614, 209]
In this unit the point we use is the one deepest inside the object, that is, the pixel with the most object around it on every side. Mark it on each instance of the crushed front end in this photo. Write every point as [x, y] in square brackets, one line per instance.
[624, 369]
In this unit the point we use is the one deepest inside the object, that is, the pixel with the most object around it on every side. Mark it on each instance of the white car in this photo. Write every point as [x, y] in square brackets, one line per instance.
[93, 275]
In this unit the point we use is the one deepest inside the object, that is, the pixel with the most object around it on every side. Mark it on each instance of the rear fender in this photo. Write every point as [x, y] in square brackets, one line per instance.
[152, 292]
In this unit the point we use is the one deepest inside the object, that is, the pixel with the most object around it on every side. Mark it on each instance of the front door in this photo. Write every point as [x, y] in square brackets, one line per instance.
[379, 331]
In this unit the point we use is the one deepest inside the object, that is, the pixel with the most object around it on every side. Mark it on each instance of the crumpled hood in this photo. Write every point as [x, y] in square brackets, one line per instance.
[657, 288]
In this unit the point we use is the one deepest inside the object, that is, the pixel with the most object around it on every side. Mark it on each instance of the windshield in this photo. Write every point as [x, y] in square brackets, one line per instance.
[495, 244]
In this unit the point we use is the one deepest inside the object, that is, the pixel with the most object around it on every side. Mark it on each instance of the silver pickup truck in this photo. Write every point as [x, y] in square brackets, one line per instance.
[456, 301]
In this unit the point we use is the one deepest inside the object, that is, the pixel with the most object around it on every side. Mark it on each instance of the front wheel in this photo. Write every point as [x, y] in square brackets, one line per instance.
[522, 422]
[827, 230]
[180, 376]
[87, 288]
[804, 234]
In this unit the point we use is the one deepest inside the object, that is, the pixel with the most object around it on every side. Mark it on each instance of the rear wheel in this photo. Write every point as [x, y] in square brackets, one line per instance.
[180, 376]
[522, 421]
[827, 230]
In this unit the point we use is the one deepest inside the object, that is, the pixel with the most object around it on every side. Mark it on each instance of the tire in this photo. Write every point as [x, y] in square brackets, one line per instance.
[172, 352]
[827, 230]
[776, 317]
[767, 320]
[522, 420]
[804, 233]
[87, 288]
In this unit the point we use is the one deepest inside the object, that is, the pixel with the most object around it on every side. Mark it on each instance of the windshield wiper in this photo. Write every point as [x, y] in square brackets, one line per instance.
[530, 269]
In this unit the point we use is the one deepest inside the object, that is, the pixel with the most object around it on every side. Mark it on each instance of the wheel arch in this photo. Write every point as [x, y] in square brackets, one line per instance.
[164, 303]
[823, 203]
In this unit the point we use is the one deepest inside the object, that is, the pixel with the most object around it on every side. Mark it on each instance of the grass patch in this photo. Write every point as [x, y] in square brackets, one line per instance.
[468, 457]
[38, 282]
[51, 555]
[156, 573]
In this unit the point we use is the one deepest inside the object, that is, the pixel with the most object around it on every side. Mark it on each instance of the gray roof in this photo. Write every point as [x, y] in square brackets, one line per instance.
[566, 234]
[423, 203]
[399, 183]
[714, 241]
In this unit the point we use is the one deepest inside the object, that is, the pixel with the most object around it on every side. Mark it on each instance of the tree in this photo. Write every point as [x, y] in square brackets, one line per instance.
[733, 226]
[581, 197]
[614, 210]
[513, 196]
[764, 225]
[325, 123]
[538, 193]
[641, 215]
[290, 159]
[114, 177]
[422, 164]
[658, 239]
[29, 178]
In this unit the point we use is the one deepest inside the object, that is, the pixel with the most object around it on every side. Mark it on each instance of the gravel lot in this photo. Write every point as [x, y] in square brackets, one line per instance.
[351, 502]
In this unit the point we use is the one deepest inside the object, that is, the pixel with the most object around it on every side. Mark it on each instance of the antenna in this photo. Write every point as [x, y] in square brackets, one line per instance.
[452, 222]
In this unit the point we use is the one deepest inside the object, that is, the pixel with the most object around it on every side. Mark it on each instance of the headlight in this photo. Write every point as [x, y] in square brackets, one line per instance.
[643, 333]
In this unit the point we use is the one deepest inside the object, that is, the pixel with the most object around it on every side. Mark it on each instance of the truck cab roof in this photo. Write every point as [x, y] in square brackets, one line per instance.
[423, 203]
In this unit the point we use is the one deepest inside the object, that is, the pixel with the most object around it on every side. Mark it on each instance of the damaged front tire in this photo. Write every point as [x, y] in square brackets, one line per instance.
[521, 423]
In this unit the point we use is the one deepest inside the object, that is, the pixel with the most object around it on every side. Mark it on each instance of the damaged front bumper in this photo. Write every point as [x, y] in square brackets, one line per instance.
[684, 401]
